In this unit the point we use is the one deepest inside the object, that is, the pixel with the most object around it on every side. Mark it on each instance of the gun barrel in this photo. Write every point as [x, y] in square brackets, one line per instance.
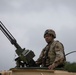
[9, 35]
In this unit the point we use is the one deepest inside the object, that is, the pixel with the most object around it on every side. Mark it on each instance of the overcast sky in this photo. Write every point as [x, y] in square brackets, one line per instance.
[28, 19]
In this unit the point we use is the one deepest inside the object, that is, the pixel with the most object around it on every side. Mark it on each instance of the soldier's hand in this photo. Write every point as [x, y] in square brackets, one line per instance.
[52, 66]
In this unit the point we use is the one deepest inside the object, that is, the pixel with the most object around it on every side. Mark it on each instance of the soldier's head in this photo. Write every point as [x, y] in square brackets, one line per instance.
[49, 35]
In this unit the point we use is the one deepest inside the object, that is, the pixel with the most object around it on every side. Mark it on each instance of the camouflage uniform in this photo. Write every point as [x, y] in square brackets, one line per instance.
[55, 54]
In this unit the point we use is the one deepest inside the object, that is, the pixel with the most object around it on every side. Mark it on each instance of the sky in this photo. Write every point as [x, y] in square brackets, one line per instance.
[27, 21]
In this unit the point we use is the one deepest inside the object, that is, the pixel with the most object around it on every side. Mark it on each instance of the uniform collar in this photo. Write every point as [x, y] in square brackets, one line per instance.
[50, 42]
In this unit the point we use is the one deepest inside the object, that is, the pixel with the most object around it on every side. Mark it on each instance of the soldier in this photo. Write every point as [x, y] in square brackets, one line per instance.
[52, 55]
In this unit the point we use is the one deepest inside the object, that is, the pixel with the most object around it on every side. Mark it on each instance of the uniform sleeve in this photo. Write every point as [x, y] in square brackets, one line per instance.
[59, 50]
[39, 60]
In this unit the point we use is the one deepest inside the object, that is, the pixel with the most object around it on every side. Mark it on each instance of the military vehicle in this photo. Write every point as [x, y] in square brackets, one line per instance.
[28, 65]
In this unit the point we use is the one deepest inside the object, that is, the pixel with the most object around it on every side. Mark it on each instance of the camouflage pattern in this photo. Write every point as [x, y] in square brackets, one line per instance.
[50, 31]
[55, 54]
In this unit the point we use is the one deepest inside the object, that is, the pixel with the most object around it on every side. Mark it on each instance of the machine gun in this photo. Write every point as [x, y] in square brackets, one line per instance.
[26, 56]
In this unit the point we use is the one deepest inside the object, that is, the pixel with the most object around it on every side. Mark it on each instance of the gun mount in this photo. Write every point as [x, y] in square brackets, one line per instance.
[26, 56]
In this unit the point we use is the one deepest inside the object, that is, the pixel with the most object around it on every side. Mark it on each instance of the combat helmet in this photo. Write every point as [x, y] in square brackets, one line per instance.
[50, 31]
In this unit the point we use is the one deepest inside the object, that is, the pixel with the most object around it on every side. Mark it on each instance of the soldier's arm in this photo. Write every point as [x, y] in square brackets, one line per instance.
[59, 50]
[59, 55]
[39, 60]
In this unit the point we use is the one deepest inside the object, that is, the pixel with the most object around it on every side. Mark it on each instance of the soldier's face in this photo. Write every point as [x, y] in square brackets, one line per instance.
[48, 38]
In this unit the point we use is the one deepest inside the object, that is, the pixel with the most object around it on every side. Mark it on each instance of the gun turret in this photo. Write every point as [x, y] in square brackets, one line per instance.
[23, 55]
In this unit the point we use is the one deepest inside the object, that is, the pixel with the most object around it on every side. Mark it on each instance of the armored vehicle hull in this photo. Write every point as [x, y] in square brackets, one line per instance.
[35, 71]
